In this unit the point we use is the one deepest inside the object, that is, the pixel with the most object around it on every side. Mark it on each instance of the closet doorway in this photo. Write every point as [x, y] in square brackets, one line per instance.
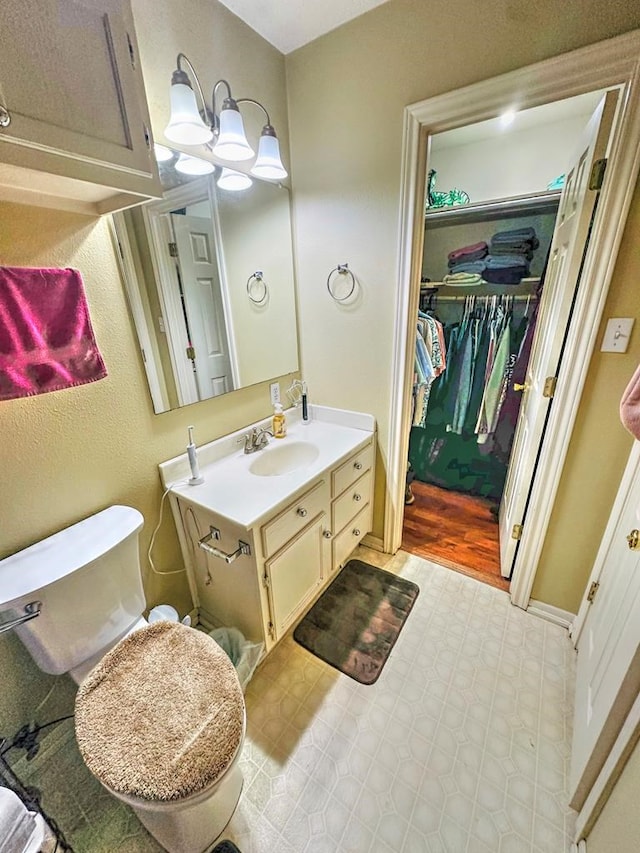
[503, 250]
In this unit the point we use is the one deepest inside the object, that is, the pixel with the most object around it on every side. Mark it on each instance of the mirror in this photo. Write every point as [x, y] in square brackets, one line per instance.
[209, 273]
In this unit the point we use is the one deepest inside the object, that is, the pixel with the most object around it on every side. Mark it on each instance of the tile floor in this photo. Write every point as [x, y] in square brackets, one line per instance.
[461, 746]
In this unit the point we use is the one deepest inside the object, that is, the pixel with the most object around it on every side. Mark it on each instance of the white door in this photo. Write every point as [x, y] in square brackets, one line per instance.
[608, 676]
[565, 260]
[203, 304]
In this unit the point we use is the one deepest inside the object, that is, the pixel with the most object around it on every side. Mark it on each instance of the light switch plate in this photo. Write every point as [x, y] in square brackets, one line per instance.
[275, 393]
[617, 334]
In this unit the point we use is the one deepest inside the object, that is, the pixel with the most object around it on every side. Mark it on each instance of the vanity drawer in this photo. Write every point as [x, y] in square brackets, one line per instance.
[351, 502]
[345, 542]
[296, 516]
[352, 469]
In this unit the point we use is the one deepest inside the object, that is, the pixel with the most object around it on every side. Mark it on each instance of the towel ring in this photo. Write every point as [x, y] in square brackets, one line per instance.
[256, 278]
[341, 269]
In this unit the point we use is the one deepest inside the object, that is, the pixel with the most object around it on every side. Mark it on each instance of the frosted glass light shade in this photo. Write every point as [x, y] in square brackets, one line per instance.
[185, 124]
[268, 163]
[189, 165]
[162, 153]
[232, 141]
[233, 181]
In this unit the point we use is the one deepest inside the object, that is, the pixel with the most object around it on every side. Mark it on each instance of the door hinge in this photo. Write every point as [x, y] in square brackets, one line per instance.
[516, 531]
[597, 174]
[173, 250]
[549, 388]
[191, 353]
[132, 53]
[265, 581]
[592, 591]
[271, 630]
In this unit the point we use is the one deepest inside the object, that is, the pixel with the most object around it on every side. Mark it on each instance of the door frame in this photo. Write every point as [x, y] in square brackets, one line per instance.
[607, 64]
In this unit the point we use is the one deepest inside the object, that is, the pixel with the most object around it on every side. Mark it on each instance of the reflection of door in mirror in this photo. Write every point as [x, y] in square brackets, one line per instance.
[199, 281]
[188, 261]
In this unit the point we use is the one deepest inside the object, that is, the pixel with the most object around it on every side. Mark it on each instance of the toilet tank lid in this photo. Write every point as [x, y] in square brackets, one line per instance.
[46, 562]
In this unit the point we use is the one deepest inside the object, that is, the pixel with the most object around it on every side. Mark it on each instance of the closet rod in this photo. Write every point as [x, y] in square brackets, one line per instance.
[517, 297]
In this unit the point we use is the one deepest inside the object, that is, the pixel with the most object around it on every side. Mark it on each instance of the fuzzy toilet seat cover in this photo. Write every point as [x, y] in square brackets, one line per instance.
[161, 716]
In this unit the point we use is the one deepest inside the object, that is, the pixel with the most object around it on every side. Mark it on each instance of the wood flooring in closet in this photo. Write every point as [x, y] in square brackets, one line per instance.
[458, 531]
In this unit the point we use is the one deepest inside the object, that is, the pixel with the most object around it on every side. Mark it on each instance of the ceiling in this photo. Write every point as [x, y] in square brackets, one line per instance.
[289, 24]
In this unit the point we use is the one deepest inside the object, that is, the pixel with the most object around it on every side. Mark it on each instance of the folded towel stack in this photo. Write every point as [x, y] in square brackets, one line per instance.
[510, 253]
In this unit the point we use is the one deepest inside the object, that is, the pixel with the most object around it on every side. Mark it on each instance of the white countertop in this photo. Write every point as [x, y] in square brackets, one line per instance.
[232, 491]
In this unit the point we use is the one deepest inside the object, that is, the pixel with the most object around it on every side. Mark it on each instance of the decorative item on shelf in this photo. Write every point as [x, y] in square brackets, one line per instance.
[222, 132]
[254, 281]
[439, 199]
[342, 270]
[557, 183]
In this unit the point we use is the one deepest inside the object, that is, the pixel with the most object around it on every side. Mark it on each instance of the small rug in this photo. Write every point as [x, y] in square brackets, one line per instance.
[356, 621]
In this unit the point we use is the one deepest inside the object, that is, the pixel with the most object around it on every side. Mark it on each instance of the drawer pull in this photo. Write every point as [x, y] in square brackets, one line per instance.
[301, 511]
[357, 497]
[5, 117]
[356, 531]
[357, 465]
[327, 534]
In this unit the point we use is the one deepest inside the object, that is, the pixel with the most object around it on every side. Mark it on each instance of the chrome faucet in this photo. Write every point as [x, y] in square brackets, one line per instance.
[256, 439]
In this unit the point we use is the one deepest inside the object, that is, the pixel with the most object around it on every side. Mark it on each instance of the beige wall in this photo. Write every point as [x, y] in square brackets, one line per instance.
[347, 92]
[617, 829]
[68, 454]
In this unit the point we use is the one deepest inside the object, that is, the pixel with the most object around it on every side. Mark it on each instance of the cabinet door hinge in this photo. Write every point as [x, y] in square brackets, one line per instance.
[191, 353]
[271, 630]
[265, 581]
[549, 388]
[173, 250]
[597, 174]
[592, 591]
[516, 531]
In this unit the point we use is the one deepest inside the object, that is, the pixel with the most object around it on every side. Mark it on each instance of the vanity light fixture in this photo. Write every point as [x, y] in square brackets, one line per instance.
[189, 165]
[162, 153]
[233, 181]
[507, 117]
[223, 131]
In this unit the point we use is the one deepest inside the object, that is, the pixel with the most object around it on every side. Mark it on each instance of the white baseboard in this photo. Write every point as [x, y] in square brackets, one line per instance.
[551, 614]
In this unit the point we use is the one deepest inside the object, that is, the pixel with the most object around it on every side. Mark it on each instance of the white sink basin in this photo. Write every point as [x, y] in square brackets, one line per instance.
[284, 459]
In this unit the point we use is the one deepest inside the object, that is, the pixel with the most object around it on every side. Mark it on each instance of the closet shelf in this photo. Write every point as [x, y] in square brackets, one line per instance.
[526, 205]
[527, 287]
[503, 288]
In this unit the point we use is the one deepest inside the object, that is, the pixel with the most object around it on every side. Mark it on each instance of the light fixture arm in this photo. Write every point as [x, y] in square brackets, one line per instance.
[257, 104]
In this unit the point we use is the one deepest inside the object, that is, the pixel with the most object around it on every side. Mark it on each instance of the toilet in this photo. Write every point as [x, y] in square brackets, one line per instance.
[160, 715]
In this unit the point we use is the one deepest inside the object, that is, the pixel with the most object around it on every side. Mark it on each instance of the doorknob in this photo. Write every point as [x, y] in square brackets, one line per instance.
[520, 387]
[633, 540]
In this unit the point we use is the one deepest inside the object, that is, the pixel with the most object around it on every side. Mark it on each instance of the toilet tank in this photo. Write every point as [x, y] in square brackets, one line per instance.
[87, 578]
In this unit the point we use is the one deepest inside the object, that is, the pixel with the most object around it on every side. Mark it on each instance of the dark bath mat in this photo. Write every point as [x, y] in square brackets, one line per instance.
[356, 621]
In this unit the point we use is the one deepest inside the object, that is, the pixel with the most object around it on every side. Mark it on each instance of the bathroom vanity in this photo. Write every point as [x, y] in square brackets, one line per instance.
[266, 532]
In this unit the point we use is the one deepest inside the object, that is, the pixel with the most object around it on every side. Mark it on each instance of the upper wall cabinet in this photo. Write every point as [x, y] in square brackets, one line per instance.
[74, 126]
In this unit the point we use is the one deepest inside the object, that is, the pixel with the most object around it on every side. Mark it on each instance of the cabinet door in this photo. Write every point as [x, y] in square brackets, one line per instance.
[70, 82]
[295, 575]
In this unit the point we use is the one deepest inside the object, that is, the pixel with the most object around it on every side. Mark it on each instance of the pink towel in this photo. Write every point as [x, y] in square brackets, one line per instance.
[630, 405]
[46, 339]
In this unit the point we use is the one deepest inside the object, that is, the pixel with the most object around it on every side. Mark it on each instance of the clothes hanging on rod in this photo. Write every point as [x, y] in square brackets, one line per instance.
[452, 442]
[430, 362]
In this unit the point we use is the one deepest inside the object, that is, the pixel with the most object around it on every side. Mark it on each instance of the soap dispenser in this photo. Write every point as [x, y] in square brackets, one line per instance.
[279, 422]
